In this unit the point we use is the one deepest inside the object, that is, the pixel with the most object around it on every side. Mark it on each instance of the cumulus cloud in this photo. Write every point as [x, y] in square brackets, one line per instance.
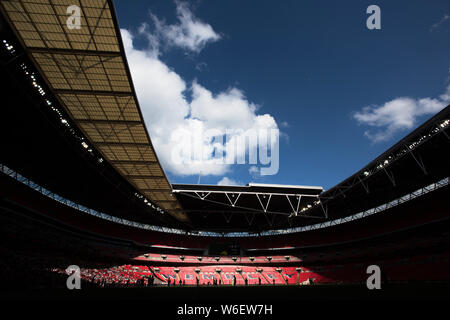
[189, 33]
[227, 109]
[398, 114]
[177, 113]
[225, 181]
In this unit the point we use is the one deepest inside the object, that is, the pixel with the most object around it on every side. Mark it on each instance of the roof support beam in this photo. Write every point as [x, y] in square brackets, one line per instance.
[227, 217]
[445, 133]
[202, 196]
[133, 176]
[366, 187]
[155, 190]
[94, 92]
[419, 162]
[125, 144]
[390, 176]
[270, 222]
[268, 201]
[75, 51]
[233, 203]
[296, 209]
[133, 162]
[249, 219]
[128, 122]
[325, 209]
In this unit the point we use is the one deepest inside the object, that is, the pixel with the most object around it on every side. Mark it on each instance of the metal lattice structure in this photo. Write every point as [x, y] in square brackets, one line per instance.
[360, 215]
[86, 69]
[265, 200]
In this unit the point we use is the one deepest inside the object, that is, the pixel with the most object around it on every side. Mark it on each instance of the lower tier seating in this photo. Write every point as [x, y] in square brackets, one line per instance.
[415, 268]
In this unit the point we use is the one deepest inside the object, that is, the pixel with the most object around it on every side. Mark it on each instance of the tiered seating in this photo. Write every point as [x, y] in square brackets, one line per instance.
[121, 275]
[205, 260]
[206, 274]
[420, 267]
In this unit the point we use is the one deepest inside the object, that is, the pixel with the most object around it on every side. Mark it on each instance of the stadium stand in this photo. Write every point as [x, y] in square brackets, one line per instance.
[62, 203]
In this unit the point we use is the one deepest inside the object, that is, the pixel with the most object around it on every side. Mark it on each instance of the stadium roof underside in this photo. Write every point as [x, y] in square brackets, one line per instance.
[256, 203]
[87, 71]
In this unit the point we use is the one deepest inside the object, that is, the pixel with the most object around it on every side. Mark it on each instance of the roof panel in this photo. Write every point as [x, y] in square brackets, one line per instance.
[140, 169]
[101, 107]
[115, 132]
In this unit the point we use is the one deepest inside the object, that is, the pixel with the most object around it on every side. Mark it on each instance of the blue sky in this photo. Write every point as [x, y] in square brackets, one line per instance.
[339, 93]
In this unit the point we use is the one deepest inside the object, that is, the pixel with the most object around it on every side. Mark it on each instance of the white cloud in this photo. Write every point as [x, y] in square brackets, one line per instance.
[225, 181]
[254, 171]
[440, 22]
[445, 97]
[398, 114]
[229, 109]
[285, 124]
[166, 110]
[201, 66]
[189, 33]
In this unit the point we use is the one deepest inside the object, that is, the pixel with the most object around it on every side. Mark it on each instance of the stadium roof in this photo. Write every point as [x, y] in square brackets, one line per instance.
[253, 204]
[86, 69]
[250, 188]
